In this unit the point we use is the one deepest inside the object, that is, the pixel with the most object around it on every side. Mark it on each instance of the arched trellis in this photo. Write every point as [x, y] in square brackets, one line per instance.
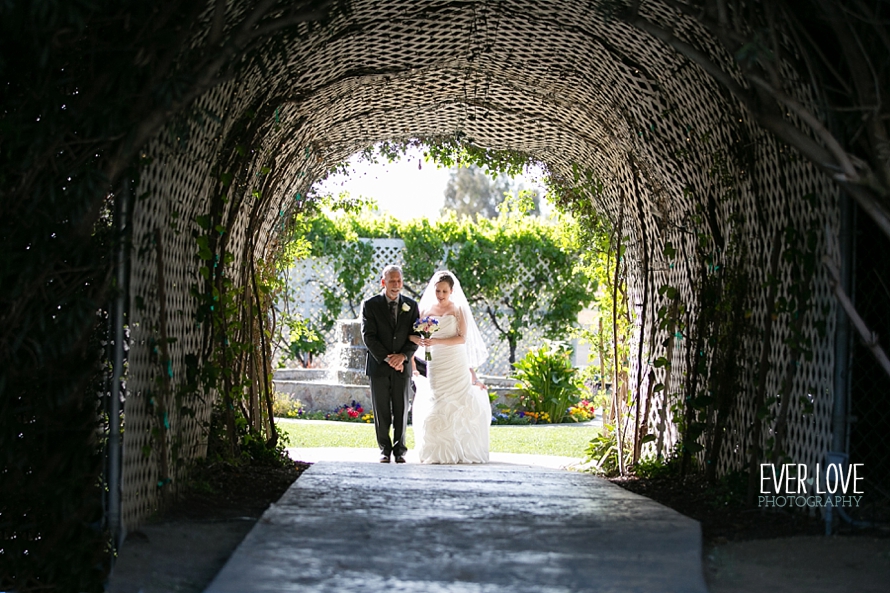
[673, 106]
[678, 157]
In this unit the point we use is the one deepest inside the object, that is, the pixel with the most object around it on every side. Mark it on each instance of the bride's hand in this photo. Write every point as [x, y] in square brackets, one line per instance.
[416, 340]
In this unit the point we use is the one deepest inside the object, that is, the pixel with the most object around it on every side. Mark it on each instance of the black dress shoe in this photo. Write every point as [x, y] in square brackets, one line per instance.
[385, 459]
[400, 459]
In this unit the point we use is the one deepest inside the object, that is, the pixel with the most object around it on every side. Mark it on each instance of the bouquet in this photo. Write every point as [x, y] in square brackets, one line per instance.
[426, 327]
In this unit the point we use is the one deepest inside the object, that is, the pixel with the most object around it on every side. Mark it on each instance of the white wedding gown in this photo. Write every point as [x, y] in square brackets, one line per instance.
[451, 416]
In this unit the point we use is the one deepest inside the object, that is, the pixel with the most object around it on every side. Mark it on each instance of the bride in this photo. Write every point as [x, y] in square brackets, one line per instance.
[451, 415]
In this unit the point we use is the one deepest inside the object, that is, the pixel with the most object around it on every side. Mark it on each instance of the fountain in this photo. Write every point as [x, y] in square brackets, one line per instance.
[322, 390]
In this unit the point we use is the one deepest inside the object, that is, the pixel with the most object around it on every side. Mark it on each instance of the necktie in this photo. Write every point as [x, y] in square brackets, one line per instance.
[393, 311]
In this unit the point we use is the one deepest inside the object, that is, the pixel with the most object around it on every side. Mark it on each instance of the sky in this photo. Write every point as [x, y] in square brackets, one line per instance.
[408, 188]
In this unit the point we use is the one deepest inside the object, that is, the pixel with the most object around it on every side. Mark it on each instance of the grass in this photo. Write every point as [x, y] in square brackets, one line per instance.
[568, 440]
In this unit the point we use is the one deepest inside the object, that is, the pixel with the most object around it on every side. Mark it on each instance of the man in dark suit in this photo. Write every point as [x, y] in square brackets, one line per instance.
[387, 321]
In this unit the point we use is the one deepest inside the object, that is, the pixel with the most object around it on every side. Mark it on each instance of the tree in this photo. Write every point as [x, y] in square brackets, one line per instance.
[520, 271]
[352, 259]
[473, 190]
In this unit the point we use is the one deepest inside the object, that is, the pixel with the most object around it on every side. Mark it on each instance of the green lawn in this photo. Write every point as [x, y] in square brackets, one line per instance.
[568, 440]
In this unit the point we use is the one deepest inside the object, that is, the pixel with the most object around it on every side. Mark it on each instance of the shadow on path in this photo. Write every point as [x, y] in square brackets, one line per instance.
[490, 528]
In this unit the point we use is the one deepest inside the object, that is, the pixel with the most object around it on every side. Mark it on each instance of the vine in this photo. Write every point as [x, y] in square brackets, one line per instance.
[604, 258]
[801, 253]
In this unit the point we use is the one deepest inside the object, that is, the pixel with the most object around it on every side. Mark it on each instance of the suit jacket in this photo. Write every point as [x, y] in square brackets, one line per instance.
[384, 337]
[420, 363]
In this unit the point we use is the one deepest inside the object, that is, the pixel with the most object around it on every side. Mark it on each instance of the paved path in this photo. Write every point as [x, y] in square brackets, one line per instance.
[496, 528]
[351, 455]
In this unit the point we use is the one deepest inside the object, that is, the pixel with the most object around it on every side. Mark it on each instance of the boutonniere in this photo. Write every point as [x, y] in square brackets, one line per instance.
[405, 307]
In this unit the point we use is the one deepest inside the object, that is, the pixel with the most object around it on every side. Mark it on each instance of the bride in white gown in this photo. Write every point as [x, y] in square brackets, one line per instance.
[451, 415]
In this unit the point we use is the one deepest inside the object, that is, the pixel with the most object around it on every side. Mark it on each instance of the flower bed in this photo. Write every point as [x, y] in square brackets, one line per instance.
[508, 416]
[582, 411]
[352, 412]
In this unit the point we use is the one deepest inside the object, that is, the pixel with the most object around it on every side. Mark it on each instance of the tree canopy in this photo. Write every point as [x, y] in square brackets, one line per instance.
[473, 190]
[520, 271]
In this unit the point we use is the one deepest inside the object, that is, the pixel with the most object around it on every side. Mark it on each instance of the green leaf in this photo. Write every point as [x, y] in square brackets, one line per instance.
[693, 447]
[703, 401]
[203, 221]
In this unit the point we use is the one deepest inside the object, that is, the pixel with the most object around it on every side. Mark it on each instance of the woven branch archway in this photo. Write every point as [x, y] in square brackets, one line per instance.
[563, 83]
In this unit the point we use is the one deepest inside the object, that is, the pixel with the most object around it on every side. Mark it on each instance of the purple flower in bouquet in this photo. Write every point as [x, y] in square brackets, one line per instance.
[426, 327]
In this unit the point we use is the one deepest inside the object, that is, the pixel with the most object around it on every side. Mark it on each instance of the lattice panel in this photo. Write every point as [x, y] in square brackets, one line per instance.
[308, 275]
[174, 191]
[554, 80]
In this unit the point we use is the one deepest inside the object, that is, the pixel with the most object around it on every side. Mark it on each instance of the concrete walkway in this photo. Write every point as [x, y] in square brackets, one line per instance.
[352, 455]
[502, 527]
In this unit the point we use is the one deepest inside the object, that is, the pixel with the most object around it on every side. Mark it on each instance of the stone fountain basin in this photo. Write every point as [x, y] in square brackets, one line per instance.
[322, 395]
[325, 396]
[300, 374]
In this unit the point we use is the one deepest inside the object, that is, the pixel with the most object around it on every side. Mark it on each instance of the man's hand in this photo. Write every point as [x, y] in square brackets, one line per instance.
[396, 361]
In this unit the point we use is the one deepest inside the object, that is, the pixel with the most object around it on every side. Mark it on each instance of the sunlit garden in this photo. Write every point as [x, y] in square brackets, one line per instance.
[545, 281]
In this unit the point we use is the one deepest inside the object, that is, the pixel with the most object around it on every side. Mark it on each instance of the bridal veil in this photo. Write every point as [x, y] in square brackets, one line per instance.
[477, 352]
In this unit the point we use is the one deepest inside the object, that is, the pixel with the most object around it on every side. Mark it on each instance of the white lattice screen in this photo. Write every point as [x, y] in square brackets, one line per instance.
[309, 274]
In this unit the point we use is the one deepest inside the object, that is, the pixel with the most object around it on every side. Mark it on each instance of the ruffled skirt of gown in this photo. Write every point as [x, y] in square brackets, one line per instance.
[451, 416]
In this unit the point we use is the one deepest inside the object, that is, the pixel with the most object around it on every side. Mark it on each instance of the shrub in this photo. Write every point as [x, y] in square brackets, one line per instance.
[251, 446]
[656, 467]
[548, 382]
[284, 407]
[305, 342]
[603, 452]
